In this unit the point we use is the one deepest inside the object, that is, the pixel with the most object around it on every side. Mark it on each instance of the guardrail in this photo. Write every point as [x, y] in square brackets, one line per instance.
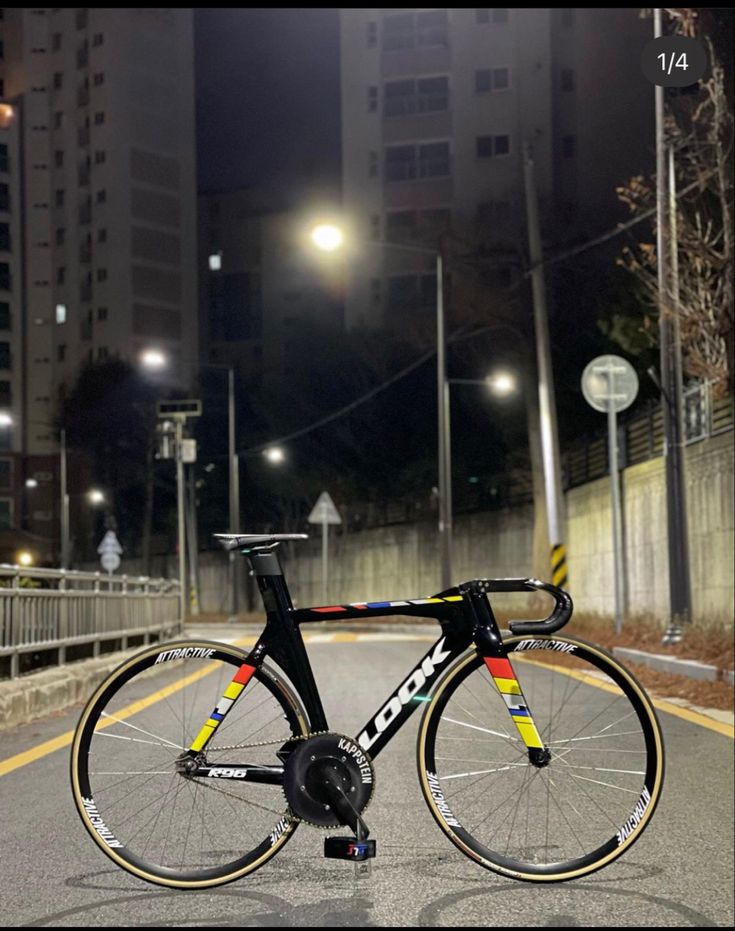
[54, 609]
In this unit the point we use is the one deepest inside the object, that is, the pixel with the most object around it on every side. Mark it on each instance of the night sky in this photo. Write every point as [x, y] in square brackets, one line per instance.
[267, 89]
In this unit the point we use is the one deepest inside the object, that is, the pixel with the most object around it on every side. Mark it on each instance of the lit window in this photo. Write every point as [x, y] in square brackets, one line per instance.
[61, 313]
[215, 261]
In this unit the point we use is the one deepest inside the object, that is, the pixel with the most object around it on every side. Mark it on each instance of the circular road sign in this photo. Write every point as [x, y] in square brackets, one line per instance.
[110, 561]
[609, 382]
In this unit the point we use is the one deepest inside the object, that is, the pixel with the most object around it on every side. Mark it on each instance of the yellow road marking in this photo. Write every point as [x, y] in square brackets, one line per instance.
[694, 717]
[56, 743]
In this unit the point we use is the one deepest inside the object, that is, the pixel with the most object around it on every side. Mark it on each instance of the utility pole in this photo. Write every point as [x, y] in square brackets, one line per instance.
[64, 504]
[445, 471]
[192, 541]
[680, 610]
[234, 493]
[547, 404]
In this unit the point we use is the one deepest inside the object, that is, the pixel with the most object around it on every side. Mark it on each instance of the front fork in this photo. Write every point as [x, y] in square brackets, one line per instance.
[495, 656]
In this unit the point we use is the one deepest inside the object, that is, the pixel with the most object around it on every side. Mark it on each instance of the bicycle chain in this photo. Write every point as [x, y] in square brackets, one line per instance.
[265, 743]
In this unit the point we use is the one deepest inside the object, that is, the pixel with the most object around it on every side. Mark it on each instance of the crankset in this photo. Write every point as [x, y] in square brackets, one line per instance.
[328, 780]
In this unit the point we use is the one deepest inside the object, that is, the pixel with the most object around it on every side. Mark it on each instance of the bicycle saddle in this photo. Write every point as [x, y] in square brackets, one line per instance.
[232, 541]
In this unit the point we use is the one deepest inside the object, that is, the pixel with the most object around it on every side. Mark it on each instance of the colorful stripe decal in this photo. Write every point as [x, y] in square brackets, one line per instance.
[233, 690]
[507, 684]
[333, 609]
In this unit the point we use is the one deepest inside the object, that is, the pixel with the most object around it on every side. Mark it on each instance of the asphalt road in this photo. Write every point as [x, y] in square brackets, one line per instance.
[680, 873]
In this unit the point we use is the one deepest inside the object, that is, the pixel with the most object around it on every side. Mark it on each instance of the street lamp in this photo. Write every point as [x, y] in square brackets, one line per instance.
[500, 383]
[95, 497]
[275, 455]
[329, 237]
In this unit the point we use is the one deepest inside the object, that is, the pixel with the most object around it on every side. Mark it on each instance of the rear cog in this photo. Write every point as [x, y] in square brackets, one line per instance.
[321, 758]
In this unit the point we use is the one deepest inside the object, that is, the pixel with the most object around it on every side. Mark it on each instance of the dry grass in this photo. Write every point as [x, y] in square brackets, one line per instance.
[710, 643]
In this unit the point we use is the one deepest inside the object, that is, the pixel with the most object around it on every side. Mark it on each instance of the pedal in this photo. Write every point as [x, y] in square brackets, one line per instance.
[348, 848]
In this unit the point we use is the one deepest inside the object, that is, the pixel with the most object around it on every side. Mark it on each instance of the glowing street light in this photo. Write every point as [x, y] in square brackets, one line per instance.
[95, 497]
[153, 359]
[6, 419]
[327, 237]
[31, 483]
[275, 455]
[24, 558]
[502, 383]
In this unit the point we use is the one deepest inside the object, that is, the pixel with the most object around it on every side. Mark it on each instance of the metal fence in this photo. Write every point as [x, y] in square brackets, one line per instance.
[44, 610]
[641, 437]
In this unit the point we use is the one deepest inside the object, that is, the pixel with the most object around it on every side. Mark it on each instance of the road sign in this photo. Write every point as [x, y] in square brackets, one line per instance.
[188, 450]
[610, 385]
[110, 551]
[609, 379]
[324, 511]
[188, 407]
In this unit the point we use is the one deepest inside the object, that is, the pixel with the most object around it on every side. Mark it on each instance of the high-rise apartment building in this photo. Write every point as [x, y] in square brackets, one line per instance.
[436, 107]
[97, 219]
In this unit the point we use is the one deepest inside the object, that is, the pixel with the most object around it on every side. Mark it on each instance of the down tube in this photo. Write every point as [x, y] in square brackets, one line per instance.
[411, 693]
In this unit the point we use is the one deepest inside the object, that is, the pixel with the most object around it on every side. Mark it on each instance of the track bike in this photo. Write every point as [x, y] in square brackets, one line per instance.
[539, 756]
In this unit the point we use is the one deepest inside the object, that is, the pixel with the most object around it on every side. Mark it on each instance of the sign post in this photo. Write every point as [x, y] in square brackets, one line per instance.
[173, 415]
[110, 552]
[610, 384]
[325, 513]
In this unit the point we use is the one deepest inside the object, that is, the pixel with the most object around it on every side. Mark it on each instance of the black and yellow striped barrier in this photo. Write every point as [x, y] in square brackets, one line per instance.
[559, 565]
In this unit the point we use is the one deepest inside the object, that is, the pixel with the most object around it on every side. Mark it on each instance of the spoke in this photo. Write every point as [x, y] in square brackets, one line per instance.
[485, 730]
[168, 743]
[600, 783]
[480, 772]
[138, 740]
[144, 772]
[607, 769]
[597, 737]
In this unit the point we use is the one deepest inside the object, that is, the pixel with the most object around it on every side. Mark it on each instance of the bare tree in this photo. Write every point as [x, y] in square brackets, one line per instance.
[700, 128]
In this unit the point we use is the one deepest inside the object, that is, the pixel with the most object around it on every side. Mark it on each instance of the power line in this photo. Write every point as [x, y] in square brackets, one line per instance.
[461, 333]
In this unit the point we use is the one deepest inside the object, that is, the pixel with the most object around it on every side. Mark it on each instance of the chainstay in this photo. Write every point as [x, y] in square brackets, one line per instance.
[266, 743]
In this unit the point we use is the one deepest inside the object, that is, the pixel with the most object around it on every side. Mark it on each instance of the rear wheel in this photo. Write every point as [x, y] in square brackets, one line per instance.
[140, 809]
[596, 789]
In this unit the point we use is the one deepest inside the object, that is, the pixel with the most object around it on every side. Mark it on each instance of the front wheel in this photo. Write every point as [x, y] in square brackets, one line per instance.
[142, 810]
[596, 788]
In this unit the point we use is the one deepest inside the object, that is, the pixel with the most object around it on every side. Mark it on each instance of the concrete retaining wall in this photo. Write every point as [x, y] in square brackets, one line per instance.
[402, 561]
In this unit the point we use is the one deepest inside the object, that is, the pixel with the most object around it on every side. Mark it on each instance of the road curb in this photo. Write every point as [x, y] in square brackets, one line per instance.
[690, 668]
[40, 693]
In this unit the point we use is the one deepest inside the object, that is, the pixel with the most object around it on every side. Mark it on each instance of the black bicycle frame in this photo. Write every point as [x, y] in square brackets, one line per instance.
[464, 614]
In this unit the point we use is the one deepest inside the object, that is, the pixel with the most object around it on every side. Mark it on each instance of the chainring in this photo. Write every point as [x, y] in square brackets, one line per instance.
[303, 772]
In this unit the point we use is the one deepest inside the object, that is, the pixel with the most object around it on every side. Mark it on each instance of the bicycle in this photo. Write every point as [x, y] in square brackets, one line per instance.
[539, 756]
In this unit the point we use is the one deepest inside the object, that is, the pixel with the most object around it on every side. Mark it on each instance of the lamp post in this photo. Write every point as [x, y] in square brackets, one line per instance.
[328, 237]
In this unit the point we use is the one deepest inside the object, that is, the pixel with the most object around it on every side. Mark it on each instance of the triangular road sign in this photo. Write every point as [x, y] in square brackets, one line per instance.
[324, 511]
